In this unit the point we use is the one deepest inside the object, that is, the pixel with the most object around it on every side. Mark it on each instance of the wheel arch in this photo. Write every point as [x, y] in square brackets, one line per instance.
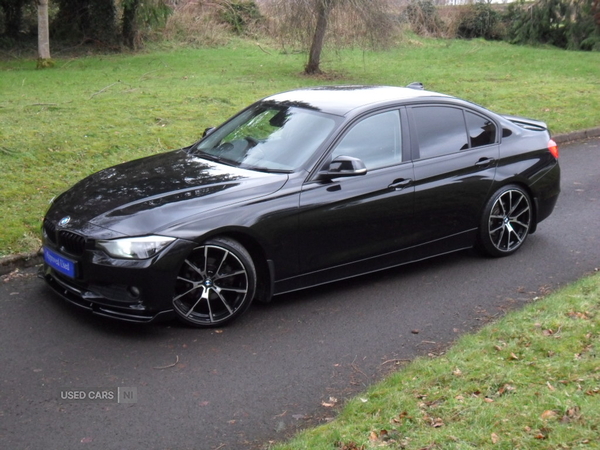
[262, 264]
[521, 183]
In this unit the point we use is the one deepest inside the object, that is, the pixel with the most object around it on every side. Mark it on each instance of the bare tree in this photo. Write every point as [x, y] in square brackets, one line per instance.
[43, 35]
[323, 8]
[310, 22]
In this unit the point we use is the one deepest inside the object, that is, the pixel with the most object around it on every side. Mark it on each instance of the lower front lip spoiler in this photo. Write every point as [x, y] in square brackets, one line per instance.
[83, 300]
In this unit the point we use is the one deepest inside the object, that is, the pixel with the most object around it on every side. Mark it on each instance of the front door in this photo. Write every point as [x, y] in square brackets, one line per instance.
[359, 223]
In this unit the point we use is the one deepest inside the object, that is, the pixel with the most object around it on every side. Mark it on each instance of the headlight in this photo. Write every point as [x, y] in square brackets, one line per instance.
[135, 248]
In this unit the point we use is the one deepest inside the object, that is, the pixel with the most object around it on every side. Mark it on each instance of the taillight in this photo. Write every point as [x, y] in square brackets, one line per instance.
[553, 148]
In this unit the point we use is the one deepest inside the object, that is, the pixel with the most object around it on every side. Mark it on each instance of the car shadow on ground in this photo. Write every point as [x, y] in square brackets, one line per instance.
[330, 295]
[382, 277]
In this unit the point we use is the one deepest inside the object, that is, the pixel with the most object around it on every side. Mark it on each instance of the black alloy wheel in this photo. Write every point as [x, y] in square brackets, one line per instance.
[506, 221]
[216, 283]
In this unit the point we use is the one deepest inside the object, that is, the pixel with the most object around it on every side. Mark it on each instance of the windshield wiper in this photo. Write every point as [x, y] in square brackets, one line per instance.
[213, 158]
[266, 169]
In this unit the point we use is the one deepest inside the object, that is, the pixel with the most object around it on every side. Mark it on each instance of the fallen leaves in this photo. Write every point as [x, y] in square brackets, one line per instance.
[549, 415]
[495, 438]
[332, 401]
[434, 422]
[579, 315]
[505, 389]
[551, 332]
[594, 391]
[15, 274]
[542, 433]
[373, 436]
[384, 436]
[572, 413]
[401, 418]
[499, 347]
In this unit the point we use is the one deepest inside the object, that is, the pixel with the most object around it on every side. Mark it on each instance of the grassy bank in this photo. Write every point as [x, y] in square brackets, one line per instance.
[529, 381]
[88, 113]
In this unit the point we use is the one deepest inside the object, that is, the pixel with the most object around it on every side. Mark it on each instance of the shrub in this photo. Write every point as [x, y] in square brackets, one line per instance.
[196, 24]
[562, 23]
[424, 18]
[479, 20]
[240, 14]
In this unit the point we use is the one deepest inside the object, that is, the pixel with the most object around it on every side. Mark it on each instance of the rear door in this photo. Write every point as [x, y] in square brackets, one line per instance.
[455, 152]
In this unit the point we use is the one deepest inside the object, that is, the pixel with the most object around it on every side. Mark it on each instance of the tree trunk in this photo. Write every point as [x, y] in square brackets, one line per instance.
[314, 57]
[43, 35]
[129, 29]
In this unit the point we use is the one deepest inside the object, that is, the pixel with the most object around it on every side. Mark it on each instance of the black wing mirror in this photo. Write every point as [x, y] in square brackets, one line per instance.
[345, 166]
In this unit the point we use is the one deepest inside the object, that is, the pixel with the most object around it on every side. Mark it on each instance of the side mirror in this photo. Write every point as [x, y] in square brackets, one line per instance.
[207, 131]
[345, 166]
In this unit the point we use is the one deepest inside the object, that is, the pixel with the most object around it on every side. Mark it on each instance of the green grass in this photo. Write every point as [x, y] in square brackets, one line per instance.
[87, 113]
[529, 381]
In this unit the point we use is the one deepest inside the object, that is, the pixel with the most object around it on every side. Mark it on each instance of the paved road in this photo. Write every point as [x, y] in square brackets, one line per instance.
[270, 372]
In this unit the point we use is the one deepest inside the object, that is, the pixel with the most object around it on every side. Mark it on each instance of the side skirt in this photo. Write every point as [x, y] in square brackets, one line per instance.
[450, 244]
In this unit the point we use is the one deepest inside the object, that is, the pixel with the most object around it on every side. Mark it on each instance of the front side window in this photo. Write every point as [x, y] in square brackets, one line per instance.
[268, 137]
[376, 140]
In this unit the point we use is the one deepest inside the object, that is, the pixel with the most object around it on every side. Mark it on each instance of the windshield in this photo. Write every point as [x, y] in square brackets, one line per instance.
[268, 137]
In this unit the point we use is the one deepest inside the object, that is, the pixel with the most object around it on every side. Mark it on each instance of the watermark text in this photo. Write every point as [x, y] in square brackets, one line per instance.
[101, 395]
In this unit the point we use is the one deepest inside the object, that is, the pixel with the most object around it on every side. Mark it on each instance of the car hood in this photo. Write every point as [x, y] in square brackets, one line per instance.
[152, 193]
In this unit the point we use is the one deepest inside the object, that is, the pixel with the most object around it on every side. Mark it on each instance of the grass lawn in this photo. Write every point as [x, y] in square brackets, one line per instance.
[88, 113]
[528, 381]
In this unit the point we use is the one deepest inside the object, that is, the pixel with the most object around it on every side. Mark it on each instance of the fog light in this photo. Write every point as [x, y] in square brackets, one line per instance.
[133, 291]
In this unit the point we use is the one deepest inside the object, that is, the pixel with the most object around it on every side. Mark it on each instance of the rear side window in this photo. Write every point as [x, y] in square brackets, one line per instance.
[482, 130]
[440, 130]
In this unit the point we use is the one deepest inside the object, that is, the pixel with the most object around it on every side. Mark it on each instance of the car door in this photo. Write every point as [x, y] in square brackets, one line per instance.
[359, 223]
[455, 153]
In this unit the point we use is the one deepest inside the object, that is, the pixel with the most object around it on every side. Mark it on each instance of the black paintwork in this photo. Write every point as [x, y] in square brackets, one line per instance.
[301, 228]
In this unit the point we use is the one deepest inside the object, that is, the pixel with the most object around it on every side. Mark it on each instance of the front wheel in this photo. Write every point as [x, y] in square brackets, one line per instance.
[506, 221]
[215, 284]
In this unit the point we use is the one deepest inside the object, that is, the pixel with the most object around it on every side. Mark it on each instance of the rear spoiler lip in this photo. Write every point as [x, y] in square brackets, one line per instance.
[527, 123]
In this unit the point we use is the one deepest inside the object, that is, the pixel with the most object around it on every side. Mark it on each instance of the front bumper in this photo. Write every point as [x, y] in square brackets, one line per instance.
[132, 291]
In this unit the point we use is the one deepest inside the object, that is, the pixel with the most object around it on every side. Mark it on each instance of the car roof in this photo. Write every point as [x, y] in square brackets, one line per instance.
[340, 100]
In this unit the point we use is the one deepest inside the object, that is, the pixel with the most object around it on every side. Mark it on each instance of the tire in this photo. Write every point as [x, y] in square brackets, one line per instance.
[506, 221]
[215, 284]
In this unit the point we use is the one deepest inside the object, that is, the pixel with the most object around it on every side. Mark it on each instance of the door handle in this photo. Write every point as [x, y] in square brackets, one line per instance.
[400, 184]
[484, 162]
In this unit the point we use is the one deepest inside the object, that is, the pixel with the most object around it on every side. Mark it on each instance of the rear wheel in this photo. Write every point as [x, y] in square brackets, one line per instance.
[506, 221]
[216, 283]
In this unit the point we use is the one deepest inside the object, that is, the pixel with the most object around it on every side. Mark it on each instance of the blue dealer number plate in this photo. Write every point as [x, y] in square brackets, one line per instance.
[60, 263]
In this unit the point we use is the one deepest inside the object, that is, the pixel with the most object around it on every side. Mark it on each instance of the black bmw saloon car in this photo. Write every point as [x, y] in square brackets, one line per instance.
[300, 188]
